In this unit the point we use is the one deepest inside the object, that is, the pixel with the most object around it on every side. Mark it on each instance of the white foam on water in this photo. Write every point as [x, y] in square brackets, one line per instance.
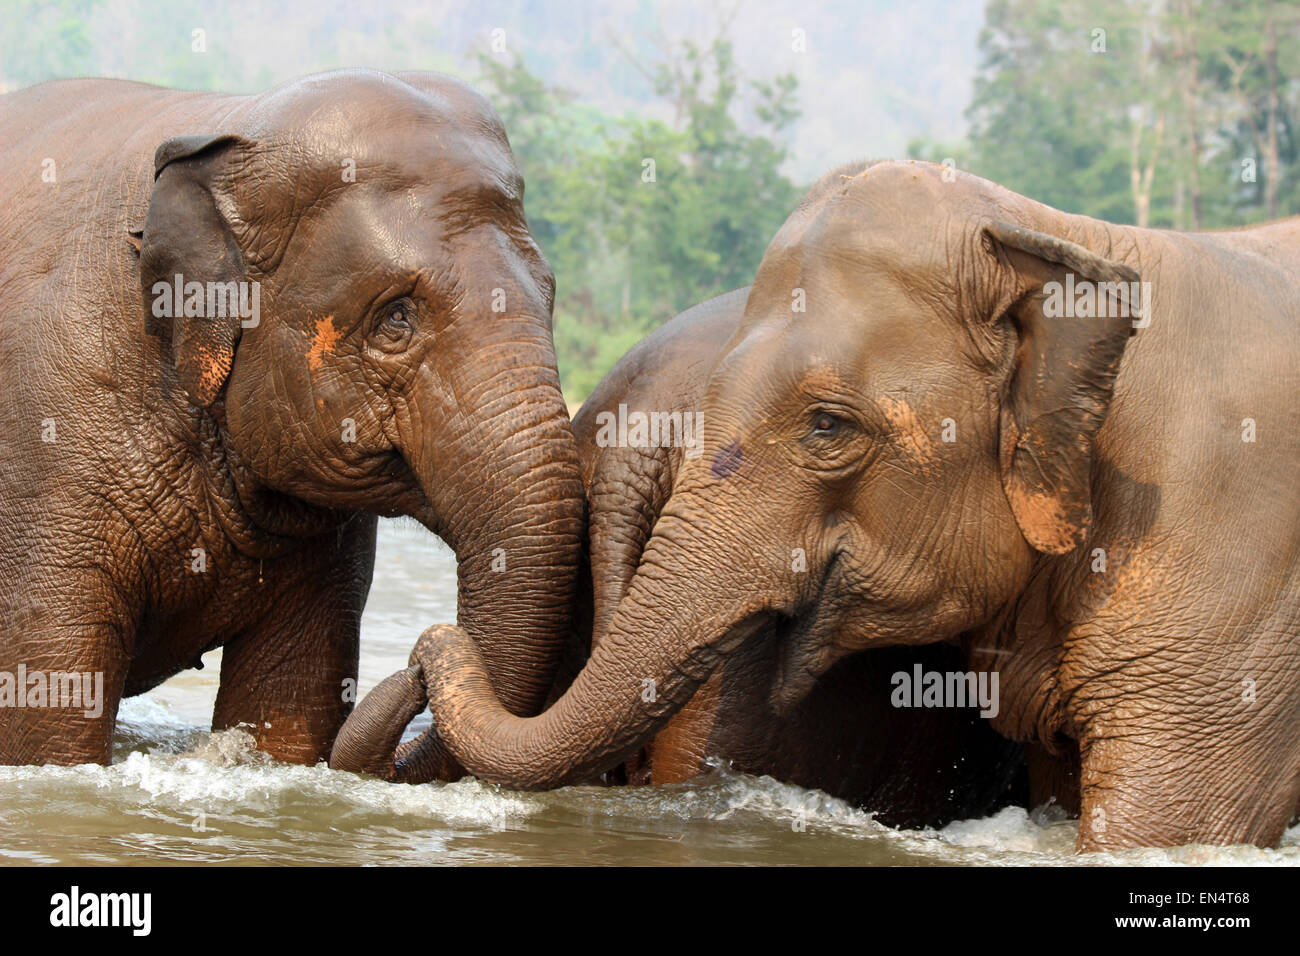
[1010, 830]
[146, 710]
[719, 796]
[773, 800]
[226, 773]
[273, 808]
[169, 767]
[1012, 837]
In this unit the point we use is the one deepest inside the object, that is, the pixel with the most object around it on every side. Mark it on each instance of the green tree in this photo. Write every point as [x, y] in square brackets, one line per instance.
[641, 218]
[40, 40]
[1159, 112]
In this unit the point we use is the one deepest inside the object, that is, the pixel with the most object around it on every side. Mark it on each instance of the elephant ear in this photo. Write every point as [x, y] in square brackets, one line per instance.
[186, 235]
[1063, 378]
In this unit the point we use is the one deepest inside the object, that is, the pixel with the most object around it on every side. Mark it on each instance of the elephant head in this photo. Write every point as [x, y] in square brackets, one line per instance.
[896, 433]
[394, 351]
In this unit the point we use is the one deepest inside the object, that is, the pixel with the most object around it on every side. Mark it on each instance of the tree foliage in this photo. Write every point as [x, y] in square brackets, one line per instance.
[1177, 113]
[1161, 112]
[642, 218]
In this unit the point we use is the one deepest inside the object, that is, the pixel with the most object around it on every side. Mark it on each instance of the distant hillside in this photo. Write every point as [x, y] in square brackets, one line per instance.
[874, 74]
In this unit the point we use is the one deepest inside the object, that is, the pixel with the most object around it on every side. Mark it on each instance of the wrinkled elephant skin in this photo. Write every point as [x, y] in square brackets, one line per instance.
[237, 328]
[1095, 487]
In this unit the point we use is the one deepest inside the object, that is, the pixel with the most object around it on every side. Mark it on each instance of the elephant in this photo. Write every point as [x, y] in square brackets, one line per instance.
[844, 737]
[1063, 441]
[316, 306]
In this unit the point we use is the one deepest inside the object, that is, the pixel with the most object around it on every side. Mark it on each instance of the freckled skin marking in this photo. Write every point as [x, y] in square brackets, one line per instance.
[728, 461]
[327, 337]
[908, 429]
[214, 366]
[821, 378]
[1041, 513]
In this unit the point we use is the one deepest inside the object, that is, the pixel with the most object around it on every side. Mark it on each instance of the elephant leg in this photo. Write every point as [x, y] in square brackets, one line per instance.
[678, 752]
[291, 677]
[79, 668]
[287, 686]
[1143, 789]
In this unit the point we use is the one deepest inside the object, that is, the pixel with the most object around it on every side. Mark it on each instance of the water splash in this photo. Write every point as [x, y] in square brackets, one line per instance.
[178, 793]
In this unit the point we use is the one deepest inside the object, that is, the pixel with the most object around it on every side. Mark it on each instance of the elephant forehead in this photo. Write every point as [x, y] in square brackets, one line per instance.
[824, 376]
[420, 238]
[416, 153]
[441, 153]
[904, 222]
[385, 126]
[840, 354]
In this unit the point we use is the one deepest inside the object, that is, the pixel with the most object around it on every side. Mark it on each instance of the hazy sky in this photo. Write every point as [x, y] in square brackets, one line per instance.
[874, 73]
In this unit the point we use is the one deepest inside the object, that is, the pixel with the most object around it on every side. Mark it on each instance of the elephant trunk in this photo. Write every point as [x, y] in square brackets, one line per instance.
[663, 643]
[512, 509]
[368, 741]
[518, 546]
[500, 475]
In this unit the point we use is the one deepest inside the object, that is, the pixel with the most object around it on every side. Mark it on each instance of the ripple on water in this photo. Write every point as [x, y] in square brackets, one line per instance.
[219, 800]
[179, 793]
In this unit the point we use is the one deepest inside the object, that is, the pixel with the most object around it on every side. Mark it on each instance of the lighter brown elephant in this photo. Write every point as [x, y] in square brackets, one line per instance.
[1070, 441]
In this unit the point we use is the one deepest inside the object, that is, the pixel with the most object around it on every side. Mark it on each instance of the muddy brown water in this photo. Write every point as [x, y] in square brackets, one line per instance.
[177, 793]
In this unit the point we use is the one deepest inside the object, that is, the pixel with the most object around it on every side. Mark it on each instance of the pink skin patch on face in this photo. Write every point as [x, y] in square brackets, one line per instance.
[214, 366]
[1043, 521]
[327, 337]
[908, 430]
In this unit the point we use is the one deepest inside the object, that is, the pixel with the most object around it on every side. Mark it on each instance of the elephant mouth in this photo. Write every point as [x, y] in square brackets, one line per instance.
[396, 491]
[807, 644]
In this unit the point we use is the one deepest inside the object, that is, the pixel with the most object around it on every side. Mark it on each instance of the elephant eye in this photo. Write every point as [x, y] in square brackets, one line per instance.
[398, 316]
[393, 325]
[834, 440]
[825, 424]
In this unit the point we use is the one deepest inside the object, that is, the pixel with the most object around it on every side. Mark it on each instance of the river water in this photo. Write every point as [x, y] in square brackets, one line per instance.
[177, 793]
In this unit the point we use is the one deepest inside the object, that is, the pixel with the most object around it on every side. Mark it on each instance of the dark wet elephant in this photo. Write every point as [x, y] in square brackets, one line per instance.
[912, 768]
[1067, 440]
[236, 328]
